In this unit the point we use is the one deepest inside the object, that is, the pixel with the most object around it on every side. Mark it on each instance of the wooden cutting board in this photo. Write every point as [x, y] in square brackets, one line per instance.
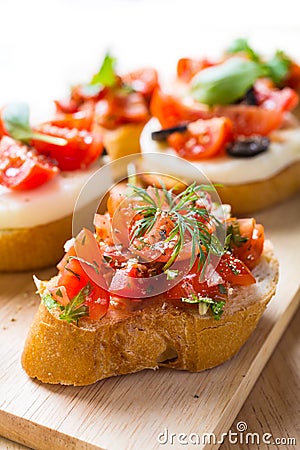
[130, 412]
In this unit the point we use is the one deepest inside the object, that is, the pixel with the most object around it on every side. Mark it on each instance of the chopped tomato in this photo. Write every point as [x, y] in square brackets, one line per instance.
[248, 120]
[82, 148]
[21, 168]
[85, 92]
[293, 77]
[3, 131]
[81, 118]
[119, 108]
[187, 67]
[103, 227]
[171, 111]
[116, 197]
[203, 138]
[143, 81]
[97, 302]
[234, 271]
[271, 98]
[82, 265]
[249, 251]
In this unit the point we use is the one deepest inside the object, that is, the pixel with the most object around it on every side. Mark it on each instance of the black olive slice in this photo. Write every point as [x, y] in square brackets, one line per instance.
[161, 135]
[248, 147]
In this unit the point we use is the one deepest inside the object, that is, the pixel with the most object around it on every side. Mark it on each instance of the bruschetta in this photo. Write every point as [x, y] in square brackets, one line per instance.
[43, 168]
[233, 118]
[166, 280]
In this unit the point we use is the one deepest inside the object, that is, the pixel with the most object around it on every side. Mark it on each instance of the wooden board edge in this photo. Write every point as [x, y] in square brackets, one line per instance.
[37, 436]
[237, 401]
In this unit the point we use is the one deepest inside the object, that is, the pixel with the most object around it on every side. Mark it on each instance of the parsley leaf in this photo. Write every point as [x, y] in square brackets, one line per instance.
[106, 75]
[234, 235]
[50, 302]
[205, 303]
[76, 309]
[217, 310]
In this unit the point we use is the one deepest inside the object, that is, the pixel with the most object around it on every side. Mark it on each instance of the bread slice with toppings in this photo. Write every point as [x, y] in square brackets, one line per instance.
[160, 334]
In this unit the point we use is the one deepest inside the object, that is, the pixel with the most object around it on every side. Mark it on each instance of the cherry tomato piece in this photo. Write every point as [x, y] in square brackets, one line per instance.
[203, 138]
[171, 111]
[143, 81]
[21, 168]
[82, 148]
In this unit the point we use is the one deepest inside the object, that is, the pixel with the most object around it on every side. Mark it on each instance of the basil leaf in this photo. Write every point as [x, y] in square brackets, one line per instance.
[106, 75]
[226, 82]
[278, 67]
[16, 121]
[15, 116]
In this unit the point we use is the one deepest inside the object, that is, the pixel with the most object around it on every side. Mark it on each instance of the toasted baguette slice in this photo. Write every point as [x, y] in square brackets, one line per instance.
[123, 141]
[161, 334]
[34, 248]
[248, 198]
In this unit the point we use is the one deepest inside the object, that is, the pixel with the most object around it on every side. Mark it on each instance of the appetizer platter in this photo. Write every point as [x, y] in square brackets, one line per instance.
[167, 278]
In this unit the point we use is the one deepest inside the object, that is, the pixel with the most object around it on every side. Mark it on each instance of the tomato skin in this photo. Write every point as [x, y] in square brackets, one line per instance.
[203, 138]
[22, 169]
[248, 120]
[74, 275]
[234, 271]
[81, 118]
[143, 81]
[120, 108]
[102, 223]
[81, 150]
[250, 251]
[293, 77]
[187, 67]
[171, 111]
[97, 302]
[271, 98]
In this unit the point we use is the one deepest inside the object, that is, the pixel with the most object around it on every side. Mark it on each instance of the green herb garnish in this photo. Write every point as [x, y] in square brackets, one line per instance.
[241, 45]
[50, 302]
[94, 265]
[171, 274]
[184, 212]
[225, 83]
[16, 121]
[76, 309]
[106, 75]
[276, 68]
[234, 235]
[216, 307]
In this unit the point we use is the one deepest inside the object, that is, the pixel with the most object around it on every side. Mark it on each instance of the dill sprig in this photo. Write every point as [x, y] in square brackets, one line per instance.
[191, 221]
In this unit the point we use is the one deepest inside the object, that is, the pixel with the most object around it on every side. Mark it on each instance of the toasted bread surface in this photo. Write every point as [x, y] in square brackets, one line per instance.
[160, 334]
[123, 141]
[34, 248]
[250, 197]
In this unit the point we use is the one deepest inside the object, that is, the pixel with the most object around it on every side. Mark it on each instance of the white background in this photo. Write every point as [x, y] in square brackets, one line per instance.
[47, 45]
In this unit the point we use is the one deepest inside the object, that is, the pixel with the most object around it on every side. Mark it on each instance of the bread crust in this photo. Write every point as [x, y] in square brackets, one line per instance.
[23, 249]
[120, 343]
[251, 197]
[123, 141]
[34, 248]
